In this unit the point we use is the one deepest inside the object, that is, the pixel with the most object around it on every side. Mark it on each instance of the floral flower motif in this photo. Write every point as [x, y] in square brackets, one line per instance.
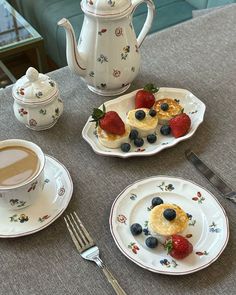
[167, 263]
[33, 186]
[22, 218]
[103, 85]
[198, 198]
[136, 48]
[22, 112]
[116, 73]
[52, 83]
[188, 236]
[133, 69]
[45, 182]
[43, 112]
[121, 218]
[56, 115]
[42, 219]
[124, 54]
[140, 150]
[193, 112]
[102, 58]
[133, 197]
[38, 94]
[20, 91]
[17, 202]
[61, 191]
[118, 31]
[213, 228]
[111, 3]
[102, 32]
[202, 253]
[134, 248]
[164, 187]
[32, 122]
[91, 74]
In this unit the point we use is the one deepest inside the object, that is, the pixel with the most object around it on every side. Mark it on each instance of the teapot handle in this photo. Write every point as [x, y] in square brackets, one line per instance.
[148, 23]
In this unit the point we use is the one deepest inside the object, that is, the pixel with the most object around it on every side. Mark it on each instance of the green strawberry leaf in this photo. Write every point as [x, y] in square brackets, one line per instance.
[151, 88]
[168, 245]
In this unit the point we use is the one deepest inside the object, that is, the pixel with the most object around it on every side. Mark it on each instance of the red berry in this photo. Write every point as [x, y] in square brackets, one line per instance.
[195, 198]
[144, 98]
[178, 247]
[112, 123]
[180, 125]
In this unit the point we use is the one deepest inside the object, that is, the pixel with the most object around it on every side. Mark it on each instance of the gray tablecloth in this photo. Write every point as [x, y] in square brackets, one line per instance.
[199, 55]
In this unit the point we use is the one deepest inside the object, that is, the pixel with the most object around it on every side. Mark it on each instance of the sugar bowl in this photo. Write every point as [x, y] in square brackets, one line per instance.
[37, 102]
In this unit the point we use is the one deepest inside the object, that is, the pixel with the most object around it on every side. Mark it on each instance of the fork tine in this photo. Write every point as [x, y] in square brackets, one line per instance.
[87, 235]
[79, 231]
[76, 242]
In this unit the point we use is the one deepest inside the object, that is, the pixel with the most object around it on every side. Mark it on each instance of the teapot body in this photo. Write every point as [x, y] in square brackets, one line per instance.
[107, 54]
[112, 52]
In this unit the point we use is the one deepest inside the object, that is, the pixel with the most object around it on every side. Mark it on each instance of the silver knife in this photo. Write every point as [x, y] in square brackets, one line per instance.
[217, 182]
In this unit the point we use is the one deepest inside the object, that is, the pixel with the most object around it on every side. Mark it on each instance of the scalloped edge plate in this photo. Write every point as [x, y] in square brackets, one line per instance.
[208, 229]
[193, 106]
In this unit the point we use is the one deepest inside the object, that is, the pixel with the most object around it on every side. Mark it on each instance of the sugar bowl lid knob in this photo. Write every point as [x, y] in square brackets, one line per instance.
[32, 74]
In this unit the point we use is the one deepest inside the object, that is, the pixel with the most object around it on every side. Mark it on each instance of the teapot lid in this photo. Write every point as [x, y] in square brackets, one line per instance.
[34, 88]
[106, 8]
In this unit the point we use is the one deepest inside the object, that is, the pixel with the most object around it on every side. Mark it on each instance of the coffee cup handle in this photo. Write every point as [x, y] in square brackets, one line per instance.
[148, 22]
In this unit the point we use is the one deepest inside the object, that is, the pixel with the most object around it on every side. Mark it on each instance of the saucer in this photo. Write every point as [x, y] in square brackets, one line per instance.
[55, 197]
[208, 228]
[192, 105]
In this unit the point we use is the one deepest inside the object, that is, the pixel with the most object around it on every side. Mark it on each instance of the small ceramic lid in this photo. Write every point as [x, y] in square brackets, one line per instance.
[105, 8]
[34, 88]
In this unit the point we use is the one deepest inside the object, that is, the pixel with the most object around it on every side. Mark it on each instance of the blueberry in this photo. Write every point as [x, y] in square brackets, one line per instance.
[164, 106]
[125, 147]
[138, 142]
[151, 138]
[133, 134]
[140, 115]
[136, 229]
[165, 130]
[151, 242]
[157, 201]
[169, 214]
[152, 113]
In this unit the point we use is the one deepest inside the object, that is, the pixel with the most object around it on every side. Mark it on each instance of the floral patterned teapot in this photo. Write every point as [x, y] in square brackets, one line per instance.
[107, 56]
[37, 103]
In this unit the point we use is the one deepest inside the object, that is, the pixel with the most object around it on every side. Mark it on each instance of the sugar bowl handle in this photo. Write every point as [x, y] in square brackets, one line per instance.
[148, 23]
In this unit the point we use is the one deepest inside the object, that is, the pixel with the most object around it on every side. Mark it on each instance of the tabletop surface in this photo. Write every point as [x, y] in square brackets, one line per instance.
[198, 55]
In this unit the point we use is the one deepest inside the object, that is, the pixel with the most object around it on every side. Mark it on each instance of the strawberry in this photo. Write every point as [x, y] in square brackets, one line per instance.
[144, 98]
[180, 125]
[178, 247]
[108, 121]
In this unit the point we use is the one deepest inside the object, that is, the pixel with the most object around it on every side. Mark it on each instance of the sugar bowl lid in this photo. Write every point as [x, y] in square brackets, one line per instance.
[106, 8]
[34, 88]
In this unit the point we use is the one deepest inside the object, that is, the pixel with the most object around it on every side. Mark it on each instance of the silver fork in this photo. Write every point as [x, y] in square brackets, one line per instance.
[88, 249]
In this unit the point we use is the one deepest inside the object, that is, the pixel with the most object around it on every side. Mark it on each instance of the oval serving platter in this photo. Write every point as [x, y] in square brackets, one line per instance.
[208, 228]
[193, 106]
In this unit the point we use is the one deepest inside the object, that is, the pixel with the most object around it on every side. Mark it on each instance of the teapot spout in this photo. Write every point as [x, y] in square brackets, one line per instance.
[74, 60]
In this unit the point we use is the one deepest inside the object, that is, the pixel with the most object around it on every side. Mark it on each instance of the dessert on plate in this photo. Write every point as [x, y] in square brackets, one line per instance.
[143, 120]
[111, 130]
[167, 108]
[167, 220]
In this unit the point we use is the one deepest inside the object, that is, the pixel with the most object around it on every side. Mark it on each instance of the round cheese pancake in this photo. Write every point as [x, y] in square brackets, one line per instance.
[164, 116]
[160, 225]
[145, 126]
[113, 140]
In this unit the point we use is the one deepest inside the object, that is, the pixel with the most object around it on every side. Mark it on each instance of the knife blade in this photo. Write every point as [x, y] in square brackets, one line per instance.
[217, 182]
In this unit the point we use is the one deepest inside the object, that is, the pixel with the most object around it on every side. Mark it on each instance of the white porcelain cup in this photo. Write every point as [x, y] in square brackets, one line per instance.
[24, 194]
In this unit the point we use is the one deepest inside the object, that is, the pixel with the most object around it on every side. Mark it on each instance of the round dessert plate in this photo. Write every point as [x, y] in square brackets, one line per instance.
[208, 228]
[194, 107]
[55, 196]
